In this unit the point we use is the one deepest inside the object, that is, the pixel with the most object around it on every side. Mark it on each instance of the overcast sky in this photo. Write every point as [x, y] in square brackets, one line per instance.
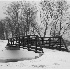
[3, 3]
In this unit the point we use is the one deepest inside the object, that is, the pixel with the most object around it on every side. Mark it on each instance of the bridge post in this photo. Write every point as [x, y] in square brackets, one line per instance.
[49, 41]
[23, 41]
[42, 41]
[8, 41]
[11, 41]
[16, 38]
[19, 42]
[36, 44]
[28, 46]
[60, 42]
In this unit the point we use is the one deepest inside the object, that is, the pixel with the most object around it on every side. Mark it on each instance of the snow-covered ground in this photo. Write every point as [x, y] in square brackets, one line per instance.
[50, 59]
[15, 54]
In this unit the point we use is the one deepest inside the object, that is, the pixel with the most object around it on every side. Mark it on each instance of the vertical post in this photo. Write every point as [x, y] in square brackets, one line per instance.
[19, 41]
[60, 42]
[16, 38]
[11, 41]
[42, 40]
[28, 46]
[8, 41]
[25, 30]
[23, 41]
[49, 41]
[36, 44]
[54, 33]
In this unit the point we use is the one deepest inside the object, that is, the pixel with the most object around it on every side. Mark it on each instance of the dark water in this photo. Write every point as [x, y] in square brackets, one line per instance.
[13, 60]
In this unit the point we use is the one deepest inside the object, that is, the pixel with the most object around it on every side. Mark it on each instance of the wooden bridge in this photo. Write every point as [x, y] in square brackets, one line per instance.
[35, 43]
[30, 42]
[50, 42]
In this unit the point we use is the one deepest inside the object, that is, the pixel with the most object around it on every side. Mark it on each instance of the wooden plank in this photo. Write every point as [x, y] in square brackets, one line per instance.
[30, 49]
[24, 48]
[33, 47]
[51, 37]
[39, 49]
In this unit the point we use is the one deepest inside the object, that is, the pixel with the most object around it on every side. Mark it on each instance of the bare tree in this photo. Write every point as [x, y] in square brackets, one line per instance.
[54, 11]
[22, 16]
[1, 30]
[47, 14]
[29, 13]
[12, 11]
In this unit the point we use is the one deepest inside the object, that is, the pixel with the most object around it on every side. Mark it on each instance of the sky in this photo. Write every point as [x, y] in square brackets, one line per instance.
[3, 3]
[2, 8]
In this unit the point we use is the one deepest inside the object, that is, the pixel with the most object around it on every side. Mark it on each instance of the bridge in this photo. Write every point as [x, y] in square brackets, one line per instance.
[35, 43]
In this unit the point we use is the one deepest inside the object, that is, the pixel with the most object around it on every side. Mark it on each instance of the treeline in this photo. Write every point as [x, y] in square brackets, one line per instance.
[48, 18]
[21, 17]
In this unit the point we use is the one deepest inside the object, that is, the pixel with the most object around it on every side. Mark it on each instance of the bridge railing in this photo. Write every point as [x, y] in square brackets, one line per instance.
[26, 42]
[30, 42]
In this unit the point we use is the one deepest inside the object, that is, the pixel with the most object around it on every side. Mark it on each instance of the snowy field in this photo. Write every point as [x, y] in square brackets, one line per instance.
[50, 59]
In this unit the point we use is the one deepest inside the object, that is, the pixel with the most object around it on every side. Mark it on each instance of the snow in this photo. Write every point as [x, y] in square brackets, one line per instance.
[15, 54]
[51, 59]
